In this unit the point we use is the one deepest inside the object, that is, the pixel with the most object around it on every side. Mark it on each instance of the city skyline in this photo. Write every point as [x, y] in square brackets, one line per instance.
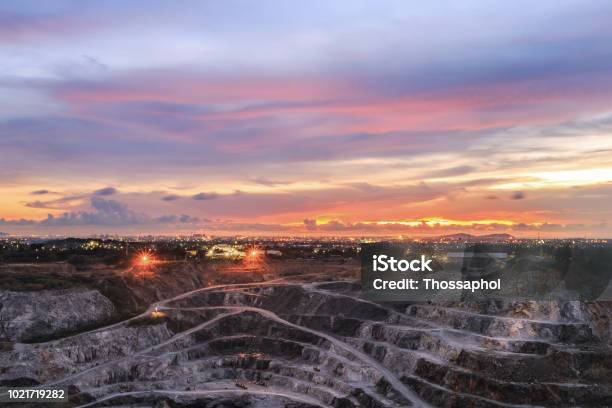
[344, 118]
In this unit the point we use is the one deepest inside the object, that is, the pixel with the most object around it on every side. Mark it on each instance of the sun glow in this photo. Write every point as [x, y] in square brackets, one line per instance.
[435, 221]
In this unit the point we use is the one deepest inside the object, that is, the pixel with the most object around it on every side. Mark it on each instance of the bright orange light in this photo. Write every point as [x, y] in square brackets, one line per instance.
[254, 253]
[254, 257]
[144, 259]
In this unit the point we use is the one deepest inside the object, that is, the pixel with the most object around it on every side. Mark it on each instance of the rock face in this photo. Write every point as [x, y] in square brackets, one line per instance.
[293, 344]
[83, 299]
[31, 315]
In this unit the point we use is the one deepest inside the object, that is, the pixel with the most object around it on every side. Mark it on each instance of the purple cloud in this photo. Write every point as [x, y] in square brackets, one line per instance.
[40, 204]
[171, 197]
[106, 191]
[171, 219]
[205, 196]
[40, 192]
[111, 212]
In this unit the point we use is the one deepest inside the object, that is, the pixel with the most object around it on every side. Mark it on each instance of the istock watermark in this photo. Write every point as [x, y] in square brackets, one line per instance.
[451, 271]
[383, 263]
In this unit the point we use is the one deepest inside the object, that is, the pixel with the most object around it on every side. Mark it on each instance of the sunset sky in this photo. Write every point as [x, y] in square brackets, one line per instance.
[318, 117]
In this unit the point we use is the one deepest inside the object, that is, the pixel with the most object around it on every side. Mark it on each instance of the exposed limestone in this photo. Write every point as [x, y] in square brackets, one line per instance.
[30, 315]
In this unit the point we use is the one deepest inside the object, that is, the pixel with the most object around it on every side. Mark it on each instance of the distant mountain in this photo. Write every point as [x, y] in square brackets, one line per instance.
[457, 237]
[477, 238]
[3, 234]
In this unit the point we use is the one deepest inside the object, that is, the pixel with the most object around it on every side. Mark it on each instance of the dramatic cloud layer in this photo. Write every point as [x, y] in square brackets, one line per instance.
[322, 117]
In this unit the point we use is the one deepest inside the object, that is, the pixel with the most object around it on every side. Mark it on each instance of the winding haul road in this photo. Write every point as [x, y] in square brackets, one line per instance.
[365, 359]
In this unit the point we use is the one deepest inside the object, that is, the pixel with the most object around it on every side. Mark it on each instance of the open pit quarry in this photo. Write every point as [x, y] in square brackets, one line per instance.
[299, 340]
